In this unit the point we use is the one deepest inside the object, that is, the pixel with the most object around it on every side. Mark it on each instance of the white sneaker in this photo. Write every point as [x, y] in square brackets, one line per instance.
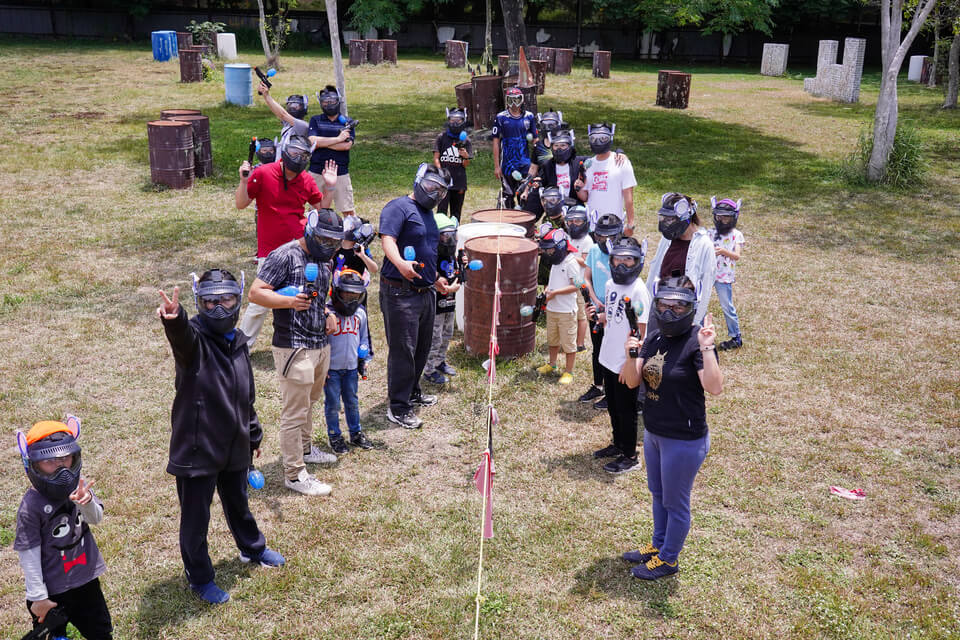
[318, 457]
[308, 485]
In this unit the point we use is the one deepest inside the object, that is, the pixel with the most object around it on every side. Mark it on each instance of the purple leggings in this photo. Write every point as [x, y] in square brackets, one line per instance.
[672, 467]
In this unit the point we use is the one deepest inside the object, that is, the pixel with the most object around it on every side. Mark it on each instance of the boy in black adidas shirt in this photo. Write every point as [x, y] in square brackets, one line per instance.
[453, 154]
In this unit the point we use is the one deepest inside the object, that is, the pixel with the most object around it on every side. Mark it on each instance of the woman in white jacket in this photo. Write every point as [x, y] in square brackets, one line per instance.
[684, 247]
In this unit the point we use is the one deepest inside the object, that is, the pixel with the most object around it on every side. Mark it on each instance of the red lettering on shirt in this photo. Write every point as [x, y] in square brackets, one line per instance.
[349, 325]
[599, 181]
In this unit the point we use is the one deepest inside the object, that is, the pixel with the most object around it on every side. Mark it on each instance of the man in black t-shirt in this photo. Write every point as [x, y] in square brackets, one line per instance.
[409, 236]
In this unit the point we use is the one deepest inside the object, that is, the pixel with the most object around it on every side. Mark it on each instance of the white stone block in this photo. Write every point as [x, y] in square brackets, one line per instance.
[227, 46]
[916, 68]
[774, 62]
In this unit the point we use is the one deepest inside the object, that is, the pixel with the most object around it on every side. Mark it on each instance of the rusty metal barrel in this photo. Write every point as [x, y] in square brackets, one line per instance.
[167, 114]
[374, 51]
[184, 40]
[601, 64]
[516, 334]
[191, 65]
[538, 69]
[524, 219]
[171, 153]
[389, 51]
[358, 52]
[503, 65]
[464, 92]
[487, 99]
[456, 54]
[202, 150]
[563, 62]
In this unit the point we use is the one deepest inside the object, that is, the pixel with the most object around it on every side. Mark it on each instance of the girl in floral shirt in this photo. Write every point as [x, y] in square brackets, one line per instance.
[728, 243]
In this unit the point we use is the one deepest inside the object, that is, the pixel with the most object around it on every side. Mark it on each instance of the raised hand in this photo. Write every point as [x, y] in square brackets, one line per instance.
[263, 89]
[169, 309]
[244, 170]
[707, 334]
[330, 174]
[82, 494]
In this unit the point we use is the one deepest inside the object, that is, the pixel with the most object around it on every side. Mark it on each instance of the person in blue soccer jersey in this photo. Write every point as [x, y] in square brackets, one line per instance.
[513, 132]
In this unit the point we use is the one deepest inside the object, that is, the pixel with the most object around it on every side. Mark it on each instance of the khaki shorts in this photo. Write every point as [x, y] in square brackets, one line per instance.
[581, 309]
[562, 330]
[342, 191]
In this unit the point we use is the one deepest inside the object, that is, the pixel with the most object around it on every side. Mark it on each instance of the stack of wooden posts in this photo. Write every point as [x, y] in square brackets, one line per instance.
[373, 52]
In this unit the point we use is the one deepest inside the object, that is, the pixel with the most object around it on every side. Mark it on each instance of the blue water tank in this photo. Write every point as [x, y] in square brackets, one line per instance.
[164, 45]
[238, 84]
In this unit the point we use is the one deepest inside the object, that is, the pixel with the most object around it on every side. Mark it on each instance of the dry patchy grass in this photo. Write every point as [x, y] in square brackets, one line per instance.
[849, 305]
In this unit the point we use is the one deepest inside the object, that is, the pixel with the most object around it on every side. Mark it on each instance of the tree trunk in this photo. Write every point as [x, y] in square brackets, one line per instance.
[337, 54]
[892, 51]
[932, 82]
[516, 31]
[267, 53]
[950, 102]
[487, 58]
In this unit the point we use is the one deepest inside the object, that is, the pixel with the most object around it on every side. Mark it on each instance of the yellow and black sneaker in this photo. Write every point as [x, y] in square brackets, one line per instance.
[655, 568]
[641, 556]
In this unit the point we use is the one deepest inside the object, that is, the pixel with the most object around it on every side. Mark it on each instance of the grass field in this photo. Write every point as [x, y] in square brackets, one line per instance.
[849, 302]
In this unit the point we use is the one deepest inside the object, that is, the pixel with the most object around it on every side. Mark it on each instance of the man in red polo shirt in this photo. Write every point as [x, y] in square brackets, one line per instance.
[281, 189]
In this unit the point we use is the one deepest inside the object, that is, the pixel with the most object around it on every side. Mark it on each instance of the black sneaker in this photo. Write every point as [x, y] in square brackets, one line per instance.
[601, 404]
[361, 440]
[610, 451]
[732, 343]
[407, 420]
[654, 569]
[339, 445]
[623, 464]
[592, 393]
[423, 399]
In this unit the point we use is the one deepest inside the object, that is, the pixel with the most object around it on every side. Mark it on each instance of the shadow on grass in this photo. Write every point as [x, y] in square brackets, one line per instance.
[611, 576]
[167, 604]
[579, 465]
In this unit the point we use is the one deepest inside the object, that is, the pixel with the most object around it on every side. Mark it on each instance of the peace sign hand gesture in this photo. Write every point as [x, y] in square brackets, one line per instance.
[169, 309]
[707, 335]
[82, 494]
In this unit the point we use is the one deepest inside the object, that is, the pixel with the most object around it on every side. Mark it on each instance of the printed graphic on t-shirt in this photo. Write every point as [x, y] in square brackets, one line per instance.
[563, 182]
[599, 181]
[452, 155]
[653, 373]
[349, 325]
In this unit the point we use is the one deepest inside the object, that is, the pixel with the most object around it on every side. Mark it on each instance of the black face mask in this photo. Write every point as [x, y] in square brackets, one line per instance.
[447, 248]
[724, 228]
[562, 156]
[345, 308]
[577, 231]
[673, 325]
[672, 227]
[319, 251]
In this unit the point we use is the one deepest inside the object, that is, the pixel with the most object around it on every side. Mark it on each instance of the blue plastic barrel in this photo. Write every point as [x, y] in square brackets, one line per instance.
[238, 83]
[164, 45]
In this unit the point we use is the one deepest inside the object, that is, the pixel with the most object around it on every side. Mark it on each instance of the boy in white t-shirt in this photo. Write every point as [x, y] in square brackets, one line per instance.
[577, 224]
[608, 186]
[624, 289]
[727, 243]
[561, 293]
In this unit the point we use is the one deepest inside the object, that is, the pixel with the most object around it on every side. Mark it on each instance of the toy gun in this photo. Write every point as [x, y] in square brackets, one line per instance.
[254, 146]
[525, 184]
[634, 325]
[363, 352]
[255, 478]
[310, 272]
[586, 300]
[539, 306]
[348, 123]
[55, 618]
[263, 78]
[462, 140]
[409, 253]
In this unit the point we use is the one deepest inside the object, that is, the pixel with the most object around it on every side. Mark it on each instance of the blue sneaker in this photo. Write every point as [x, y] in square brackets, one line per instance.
[210, 592]
[655, 568]
[447, 369]
[267, 558]
[436, 377]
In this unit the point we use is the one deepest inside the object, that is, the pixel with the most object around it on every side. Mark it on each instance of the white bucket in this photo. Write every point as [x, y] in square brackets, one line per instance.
[473, 230]
[227, 46]
[915, 71]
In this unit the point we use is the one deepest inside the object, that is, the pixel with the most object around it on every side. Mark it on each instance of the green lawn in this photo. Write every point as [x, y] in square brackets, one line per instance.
[849, 306]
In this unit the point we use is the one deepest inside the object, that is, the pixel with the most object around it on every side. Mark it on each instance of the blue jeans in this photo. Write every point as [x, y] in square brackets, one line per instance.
[725, 295]
[341, 383]
[672, 467]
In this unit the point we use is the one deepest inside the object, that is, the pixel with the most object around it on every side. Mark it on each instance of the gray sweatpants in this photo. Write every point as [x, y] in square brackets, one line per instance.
[442, 332]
